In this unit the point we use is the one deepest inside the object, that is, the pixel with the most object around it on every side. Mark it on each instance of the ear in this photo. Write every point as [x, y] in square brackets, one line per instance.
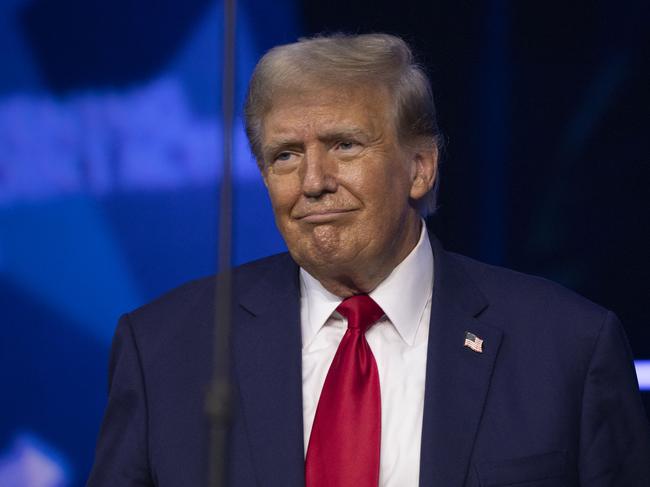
[424, 171]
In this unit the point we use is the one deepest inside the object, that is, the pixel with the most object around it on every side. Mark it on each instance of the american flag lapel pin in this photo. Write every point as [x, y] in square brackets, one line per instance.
[473, 342]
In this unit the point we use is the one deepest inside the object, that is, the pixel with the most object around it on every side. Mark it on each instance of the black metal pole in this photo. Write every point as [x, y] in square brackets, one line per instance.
[219, 395]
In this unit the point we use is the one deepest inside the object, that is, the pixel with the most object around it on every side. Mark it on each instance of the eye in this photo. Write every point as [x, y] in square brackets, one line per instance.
[283, 157]
[284, 161]
[346, 145]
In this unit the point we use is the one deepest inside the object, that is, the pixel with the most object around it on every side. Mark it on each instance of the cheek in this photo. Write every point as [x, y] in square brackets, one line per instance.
[381, 178]
[282, 194]
[385, 189]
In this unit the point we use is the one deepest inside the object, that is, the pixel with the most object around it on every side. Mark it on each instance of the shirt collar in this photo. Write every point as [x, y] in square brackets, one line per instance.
[317, 306]
[403, 295]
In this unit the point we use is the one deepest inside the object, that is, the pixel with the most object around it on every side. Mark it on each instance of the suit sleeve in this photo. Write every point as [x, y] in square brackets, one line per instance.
[614, 431]
[121, 456]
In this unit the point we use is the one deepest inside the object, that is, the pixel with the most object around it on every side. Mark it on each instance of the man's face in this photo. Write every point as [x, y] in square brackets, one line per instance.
[340, 183]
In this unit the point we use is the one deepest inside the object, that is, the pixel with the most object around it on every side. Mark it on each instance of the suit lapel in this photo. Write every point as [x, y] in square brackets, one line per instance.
[457, 378]
[267, 361]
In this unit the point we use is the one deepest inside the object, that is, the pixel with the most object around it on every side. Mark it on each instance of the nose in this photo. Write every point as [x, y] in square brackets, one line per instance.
[318, 174]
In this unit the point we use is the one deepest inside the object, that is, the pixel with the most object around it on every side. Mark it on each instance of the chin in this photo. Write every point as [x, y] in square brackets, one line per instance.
[327, 244]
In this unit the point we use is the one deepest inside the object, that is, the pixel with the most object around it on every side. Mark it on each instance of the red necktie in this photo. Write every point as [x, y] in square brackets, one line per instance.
[345, 438]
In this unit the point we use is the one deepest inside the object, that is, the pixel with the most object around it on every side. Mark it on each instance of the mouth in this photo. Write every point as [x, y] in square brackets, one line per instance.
[324, 216]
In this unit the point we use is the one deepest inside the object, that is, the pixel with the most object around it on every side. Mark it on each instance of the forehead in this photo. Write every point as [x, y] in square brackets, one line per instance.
[323, 109]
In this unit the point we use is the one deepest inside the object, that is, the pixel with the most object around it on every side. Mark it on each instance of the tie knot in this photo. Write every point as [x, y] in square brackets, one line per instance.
[361, 311]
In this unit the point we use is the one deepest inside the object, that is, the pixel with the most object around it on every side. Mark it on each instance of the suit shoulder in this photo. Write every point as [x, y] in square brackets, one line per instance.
[261, 268]
[193, 301]
[522, 293]
[184, 296]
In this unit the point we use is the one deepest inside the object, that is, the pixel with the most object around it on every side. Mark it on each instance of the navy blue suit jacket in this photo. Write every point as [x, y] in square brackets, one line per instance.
[552, 401]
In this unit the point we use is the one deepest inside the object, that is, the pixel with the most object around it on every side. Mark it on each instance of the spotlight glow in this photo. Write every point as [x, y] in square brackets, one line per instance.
[643, 374]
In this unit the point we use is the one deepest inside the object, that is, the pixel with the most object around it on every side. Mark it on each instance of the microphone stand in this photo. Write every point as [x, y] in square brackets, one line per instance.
[218, 400]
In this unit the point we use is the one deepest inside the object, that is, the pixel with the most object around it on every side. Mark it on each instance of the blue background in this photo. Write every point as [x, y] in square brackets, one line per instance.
[110, 151]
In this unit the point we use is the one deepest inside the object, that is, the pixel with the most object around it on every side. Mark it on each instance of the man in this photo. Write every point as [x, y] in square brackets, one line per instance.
[369, 355]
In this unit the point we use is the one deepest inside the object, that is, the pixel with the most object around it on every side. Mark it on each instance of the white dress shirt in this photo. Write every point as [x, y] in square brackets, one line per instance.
[398, 342]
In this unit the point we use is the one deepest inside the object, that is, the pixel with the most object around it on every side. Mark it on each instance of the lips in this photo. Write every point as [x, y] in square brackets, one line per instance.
[323, 216]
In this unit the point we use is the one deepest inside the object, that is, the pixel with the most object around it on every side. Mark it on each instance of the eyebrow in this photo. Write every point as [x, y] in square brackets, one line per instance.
[282, 143]
[326, 136]
[345, 133]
